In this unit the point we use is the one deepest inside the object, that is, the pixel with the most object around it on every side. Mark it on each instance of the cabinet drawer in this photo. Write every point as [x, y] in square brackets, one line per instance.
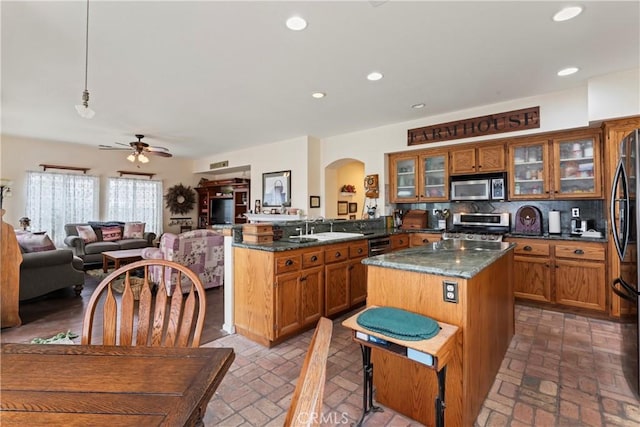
[312, 259]
[358, 249]
[421, 239]
[336, 254]
[580, 251]
[399, 241]
[532, 248]
[286, 264]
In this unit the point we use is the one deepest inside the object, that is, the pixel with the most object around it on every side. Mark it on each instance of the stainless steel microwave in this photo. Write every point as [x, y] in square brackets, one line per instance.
[479, 187]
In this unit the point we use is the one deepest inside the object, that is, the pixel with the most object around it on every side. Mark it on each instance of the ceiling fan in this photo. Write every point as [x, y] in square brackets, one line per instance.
[140, 150]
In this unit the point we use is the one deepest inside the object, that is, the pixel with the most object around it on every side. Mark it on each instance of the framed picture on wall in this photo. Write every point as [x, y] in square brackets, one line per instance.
[353, 207]
[343, 208]
[314, 201]
[276, 188]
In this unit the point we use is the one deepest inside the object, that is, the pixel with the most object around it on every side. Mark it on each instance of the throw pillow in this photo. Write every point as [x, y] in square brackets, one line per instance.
[134, 230]
[87, 233]
[110, 234]
[35, 243]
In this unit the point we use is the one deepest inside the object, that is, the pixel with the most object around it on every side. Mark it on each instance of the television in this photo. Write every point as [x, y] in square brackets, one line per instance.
[221, 211]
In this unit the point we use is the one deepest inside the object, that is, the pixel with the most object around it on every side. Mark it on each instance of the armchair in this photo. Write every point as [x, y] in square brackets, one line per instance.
[202, 251]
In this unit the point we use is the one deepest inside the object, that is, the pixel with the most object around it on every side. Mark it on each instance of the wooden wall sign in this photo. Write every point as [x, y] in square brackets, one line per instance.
[510, 121]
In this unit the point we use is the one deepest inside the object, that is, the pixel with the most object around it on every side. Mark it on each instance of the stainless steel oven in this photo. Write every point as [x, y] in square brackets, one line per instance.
[478, 226]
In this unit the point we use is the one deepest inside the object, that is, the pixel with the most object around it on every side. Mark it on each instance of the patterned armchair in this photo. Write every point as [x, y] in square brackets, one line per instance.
[202, 251]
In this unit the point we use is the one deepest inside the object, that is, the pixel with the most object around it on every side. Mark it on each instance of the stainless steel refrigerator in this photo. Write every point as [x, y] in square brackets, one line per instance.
[625, 218]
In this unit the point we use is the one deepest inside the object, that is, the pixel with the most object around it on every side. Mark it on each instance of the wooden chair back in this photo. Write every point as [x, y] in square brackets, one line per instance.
[159, 320]
[306, 402]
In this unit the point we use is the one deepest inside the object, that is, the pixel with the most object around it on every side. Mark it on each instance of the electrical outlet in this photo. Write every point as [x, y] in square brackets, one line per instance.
[575, 212]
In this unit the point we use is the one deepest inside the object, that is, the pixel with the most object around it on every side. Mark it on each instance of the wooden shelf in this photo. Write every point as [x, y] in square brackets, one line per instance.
[70, 168]
[150, 175]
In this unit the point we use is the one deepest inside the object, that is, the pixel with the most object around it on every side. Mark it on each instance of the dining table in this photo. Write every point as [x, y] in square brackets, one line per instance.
[95, 385]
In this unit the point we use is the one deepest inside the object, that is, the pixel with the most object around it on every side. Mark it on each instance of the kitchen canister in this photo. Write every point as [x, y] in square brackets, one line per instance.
[554, 222]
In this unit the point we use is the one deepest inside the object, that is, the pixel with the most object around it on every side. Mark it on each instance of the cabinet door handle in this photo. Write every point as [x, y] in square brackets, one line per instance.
[425, 240]
[314, 258]
[338, 254]
[288, 262]
[303, 279]
[359, 250]
[578, 252]
[350, 267]
[527, 248]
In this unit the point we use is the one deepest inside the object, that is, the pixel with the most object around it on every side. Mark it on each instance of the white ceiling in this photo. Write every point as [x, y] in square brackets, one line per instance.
[202, 78]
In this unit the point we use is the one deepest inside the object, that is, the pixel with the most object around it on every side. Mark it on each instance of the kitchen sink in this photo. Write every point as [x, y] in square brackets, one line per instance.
[327, 235]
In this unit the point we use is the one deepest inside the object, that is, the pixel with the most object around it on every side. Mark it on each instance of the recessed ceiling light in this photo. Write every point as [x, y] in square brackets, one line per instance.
[374, 76]
[318, 95]
[567, 71]
[296, 23]
[418, 106]
[567, 13]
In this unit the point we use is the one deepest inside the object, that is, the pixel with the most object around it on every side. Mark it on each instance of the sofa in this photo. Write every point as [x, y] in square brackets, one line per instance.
[46, 269]
[202, 251]
[105, 238]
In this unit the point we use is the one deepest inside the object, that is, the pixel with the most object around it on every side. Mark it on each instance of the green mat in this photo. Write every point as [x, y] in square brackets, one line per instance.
[399, 324]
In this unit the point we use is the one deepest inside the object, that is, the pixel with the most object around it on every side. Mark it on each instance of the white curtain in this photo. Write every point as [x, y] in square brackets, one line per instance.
[55, 199]
[136, 200]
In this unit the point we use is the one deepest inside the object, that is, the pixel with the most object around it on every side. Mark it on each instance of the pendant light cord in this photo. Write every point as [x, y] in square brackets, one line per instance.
[86, 51]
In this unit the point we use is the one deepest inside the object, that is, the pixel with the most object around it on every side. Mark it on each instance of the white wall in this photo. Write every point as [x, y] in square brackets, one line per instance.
[19, 155]
[614, 95]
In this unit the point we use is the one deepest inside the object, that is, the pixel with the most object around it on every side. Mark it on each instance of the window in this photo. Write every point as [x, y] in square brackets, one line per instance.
[136, 200]
[56, 199]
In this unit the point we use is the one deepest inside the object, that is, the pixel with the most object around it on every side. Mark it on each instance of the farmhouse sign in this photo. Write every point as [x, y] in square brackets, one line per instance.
[510, 121]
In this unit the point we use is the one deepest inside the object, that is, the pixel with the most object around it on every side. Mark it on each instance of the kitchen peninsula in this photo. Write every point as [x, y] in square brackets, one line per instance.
[466, 284]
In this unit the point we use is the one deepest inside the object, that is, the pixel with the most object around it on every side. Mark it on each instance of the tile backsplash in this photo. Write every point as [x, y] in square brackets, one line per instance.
[589, 209]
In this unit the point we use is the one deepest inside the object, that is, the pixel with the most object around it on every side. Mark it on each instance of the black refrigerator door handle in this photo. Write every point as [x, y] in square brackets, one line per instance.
[620, 176]
[625, 290]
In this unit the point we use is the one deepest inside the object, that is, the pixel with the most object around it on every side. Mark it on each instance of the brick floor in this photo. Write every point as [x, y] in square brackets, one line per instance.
[560, 370]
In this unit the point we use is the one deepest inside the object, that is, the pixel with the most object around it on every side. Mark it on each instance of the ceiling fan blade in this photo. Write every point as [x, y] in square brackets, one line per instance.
[107, 147]
[154, 148]
[123, 144]
[160, 153]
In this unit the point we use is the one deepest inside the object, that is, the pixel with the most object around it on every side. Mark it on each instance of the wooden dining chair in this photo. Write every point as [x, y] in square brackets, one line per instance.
[127, 300]
[306, 402]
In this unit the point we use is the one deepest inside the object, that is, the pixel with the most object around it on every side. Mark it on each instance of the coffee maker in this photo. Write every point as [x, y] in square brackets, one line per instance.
[579, 226]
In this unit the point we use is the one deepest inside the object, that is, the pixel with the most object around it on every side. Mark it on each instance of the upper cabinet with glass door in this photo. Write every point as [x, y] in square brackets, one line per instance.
[577, 171]
[404, 178]
[528, 169]
[434, 176]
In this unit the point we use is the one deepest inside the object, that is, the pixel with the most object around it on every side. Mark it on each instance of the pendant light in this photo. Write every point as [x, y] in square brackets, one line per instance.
[83, 109]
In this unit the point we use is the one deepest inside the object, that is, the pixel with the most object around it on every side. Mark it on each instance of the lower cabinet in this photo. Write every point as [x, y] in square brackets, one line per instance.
[279, 294]
[566, 273]
[421, 239]
[399, 241]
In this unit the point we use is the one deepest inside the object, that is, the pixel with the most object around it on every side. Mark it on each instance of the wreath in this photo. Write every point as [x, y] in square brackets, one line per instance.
[180, 199]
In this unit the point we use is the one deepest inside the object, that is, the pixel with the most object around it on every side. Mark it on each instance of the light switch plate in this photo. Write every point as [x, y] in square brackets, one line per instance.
[575, 212]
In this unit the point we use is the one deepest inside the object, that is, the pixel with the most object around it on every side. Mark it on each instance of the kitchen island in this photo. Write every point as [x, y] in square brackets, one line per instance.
[466, 284]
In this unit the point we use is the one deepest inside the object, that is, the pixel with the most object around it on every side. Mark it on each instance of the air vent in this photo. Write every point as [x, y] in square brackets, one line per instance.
[219, 165]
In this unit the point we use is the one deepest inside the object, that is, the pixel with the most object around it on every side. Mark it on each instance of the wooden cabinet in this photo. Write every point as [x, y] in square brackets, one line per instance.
[399, 241]
[421, 176]
[357, 273]
[564, 166]
[279, 294]
[567, 273]
[580, 275]
[223, 202]
[532, 270]
[336, 292]
[421, 239]
[404, 182]
[477, 159]
[577, 166]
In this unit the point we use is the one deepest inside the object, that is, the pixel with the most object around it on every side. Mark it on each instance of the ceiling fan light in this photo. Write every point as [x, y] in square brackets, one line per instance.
[131, 157]
[142, 158]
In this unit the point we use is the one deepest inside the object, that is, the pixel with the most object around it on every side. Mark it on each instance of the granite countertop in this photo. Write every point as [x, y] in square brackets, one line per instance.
[548, 236]
[453, 258]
